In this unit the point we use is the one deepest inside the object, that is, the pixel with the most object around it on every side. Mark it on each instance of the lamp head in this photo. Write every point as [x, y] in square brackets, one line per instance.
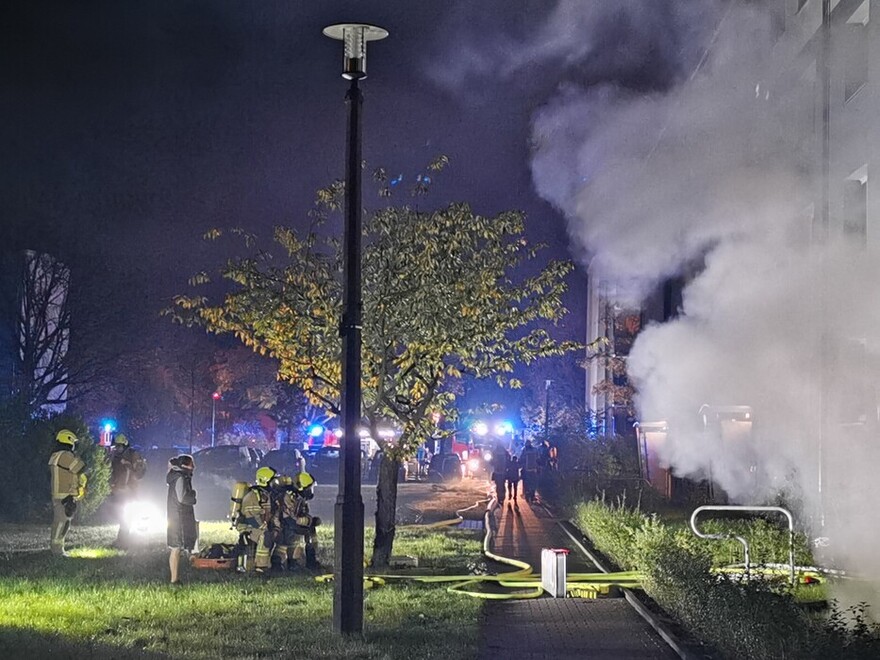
[354, 37]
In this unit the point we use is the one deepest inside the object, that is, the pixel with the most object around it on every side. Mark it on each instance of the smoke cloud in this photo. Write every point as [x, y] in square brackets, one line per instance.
[680, 140]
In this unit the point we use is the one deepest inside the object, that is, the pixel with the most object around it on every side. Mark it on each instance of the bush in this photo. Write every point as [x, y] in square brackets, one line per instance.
[612, 529]
[767, 542]
[591, 467]
[26, 444]
[754, 619]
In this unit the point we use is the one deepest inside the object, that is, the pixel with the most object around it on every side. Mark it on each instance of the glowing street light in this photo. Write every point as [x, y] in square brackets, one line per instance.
[215, 397]
[348, 583]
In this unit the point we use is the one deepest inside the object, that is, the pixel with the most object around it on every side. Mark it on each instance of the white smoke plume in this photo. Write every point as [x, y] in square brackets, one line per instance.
[716, 165]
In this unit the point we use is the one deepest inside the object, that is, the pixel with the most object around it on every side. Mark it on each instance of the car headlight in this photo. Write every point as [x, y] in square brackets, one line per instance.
[487, 456]
[474, 464]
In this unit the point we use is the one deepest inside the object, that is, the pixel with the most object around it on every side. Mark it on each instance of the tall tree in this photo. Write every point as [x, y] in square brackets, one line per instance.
[445, 295]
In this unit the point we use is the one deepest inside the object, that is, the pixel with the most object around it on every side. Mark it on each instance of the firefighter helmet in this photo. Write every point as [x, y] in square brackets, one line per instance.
[66, 437]
[304, 480]
[121, 439]
[265, 475]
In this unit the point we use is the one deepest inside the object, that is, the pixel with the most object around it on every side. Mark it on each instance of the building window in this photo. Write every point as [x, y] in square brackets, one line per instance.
[856, 51]
[855, 205]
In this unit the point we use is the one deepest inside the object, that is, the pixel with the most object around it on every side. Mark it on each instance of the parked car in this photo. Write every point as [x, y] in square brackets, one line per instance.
[228, 462]
[287, 460]
[324, 464]
[371, 474]
[445, 468]
[157, 458]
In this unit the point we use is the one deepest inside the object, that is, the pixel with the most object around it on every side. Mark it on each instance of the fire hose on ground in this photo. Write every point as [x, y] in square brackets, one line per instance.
[527, 584]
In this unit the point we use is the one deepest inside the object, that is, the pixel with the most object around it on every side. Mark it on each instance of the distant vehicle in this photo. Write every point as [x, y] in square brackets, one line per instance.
[324, 464]
[445, 468]
[228, 462]
[287, 460]
[371, 474]
[479, 462]
[157, 459]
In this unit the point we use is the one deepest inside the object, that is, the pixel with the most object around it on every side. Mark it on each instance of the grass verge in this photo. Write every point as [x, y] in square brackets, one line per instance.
[100, 603]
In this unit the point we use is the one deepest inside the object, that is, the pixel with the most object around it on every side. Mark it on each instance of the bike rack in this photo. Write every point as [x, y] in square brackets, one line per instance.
[745, 543]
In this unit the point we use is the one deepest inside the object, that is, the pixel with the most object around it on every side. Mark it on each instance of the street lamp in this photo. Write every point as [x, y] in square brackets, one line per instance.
[348, 583]
[547, 384]
[215, 397]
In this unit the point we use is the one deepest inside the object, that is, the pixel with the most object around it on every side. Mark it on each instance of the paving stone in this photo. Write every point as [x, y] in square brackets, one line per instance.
[568, 628]
[558, 628]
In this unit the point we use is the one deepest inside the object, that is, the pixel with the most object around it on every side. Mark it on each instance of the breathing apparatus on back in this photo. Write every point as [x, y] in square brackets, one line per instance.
[239, 490]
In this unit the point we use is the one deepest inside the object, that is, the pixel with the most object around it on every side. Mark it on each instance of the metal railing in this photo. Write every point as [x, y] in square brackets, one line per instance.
[744, 542]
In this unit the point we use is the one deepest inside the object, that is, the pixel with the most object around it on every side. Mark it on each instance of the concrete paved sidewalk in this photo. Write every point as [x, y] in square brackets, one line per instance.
[558, 628]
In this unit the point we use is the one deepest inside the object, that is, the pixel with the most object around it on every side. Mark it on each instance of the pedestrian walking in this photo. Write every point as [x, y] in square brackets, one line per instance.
[529, 466]
[512, 477]
[499, 471]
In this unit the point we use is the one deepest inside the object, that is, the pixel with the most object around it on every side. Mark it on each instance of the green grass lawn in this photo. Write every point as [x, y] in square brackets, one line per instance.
[103, 604]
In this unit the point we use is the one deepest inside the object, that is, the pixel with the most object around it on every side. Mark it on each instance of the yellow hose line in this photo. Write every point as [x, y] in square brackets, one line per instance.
[579, 585]
[584, 585]
[446, 523]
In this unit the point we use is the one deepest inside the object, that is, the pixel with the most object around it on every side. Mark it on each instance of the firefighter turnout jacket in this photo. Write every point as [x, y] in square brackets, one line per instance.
[67, 477]
[256, 508]
[127, 468]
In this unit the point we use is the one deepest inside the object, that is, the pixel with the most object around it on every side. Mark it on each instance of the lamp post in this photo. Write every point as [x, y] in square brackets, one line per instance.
[547, 410]
[215, 397]
[348, 582]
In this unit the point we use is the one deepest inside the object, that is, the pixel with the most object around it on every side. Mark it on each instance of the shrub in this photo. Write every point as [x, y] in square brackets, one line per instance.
[612, 529]
[26, 444]
[591, 467]
[768, 543]
[742, 619]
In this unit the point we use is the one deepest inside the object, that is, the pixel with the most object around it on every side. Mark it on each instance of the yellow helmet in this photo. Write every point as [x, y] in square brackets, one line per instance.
[304, 480]
[120, 439]
[66, 437]
[265, 475]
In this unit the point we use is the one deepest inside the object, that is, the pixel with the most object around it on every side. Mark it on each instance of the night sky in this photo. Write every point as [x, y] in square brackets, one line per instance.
[131, 128]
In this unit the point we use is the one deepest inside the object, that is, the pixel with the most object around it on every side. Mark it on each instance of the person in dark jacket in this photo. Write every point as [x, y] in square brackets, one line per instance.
[512, 477]
[528, 463]
[499, 470]
[183, 531]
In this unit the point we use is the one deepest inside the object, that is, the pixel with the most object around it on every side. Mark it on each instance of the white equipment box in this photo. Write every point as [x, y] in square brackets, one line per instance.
[553, 571]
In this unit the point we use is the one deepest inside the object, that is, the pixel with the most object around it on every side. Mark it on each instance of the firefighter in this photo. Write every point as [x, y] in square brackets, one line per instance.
[297, 546]
[254, 522]
[183, 530]
[306, 486]
[68, 487]
[500, 459]
[127, 468]
[528, 461]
